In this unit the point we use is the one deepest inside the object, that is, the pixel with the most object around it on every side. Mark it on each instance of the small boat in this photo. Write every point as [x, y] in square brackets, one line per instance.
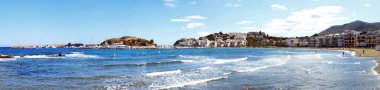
[6, 56]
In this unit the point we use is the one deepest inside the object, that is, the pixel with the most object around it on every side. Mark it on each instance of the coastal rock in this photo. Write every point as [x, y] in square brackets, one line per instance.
[5, 56]
[130, 41]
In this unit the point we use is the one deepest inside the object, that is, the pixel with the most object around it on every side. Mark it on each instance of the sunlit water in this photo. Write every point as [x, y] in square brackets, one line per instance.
[186, 69]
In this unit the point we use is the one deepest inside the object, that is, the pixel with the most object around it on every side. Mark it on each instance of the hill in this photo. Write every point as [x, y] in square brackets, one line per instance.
[129, 40]
[355, 25]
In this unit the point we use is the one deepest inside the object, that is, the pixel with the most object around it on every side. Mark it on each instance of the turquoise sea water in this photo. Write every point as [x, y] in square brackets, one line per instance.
[186, 69]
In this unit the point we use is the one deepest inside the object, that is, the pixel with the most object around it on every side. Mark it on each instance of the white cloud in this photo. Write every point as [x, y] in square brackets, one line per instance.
[194, 25]
[195, 17]
[305, 22]
[189, 18]
[180, 20]
[279, 7]
[190, 21]
[233, 5]
[204, 33]
[244, 22]
[367, 5]
[170, 3]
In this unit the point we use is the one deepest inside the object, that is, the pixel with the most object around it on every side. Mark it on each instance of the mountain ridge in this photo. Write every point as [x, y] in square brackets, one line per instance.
[355, 25]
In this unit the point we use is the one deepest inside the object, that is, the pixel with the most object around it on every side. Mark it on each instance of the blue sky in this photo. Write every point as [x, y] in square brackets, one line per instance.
[38, 22]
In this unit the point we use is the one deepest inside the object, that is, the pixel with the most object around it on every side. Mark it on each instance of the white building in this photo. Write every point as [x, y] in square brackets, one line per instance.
[292, 42]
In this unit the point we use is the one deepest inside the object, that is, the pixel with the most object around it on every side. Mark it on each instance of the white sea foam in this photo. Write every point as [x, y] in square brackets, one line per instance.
[154, 74]
[190, 82]
[72, 55]
[192, 57]
[268, 62]
[185, 61]
[80, 55]
[373, 68]
[356, 63]
[328, 62]
[349, 52]
[7, 59]
[206, 68]
[286, 52]
[37, 56]
[331, 62]
[223, 61]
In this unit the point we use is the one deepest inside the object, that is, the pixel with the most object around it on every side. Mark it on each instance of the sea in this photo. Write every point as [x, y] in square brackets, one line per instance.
[187, 69]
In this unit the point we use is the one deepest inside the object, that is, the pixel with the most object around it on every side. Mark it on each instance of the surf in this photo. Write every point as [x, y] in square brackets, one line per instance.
[154, 74]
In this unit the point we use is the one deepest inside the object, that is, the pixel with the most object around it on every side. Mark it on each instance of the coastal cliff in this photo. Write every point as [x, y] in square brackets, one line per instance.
[130, 41]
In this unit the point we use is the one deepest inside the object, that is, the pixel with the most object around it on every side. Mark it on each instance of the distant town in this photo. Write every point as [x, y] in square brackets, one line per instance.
[364, 37]
[349, 38]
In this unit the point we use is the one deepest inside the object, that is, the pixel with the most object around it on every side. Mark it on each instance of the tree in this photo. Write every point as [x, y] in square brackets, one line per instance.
[253, 42]
[210, 37]
[315, 35]
[220, 33]
[151, 41]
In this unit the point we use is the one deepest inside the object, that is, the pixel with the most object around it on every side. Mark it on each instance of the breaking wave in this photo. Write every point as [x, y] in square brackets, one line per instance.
[189, 82]
[154, 74]
[223, 61]
[80, 55]
[151, 63]
[261, 64]
[72, 55]
[7, 59]
[192, 57]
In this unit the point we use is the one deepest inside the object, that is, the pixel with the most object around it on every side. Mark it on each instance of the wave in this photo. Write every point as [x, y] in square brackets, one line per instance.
[192, 82]
[80, 55]
[38, 56]
[167, 62]
[284, 52]
[356, 63]
[192, 57]
[331, 62]
[7, 59]
[206, 68]
[349, 52]
[222, 61]
[72, 55]
[373, 68]
[328, 62]
[154, 74]
[261, 64]
[185, 61]
[151, 63]
[96, 77]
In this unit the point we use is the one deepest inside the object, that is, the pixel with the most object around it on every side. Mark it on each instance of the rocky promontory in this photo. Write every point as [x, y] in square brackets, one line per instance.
[130, 41]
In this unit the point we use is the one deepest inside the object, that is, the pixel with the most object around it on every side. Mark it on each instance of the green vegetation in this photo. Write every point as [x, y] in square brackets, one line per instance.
[130, 41]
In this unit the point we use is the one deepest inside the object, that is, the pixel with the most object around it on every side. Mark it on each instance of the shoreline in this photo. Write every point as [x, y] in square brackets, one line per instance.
[363, 52]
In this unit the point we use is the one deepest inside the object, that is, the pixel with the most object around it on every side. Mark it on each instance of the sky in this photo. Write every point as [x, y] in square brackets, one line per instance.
[39, 22]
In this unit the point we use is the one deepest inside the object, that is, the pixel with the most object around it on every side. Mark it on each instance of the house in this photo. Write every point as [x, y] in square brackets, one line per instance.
[292, 42]
[349, 38]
